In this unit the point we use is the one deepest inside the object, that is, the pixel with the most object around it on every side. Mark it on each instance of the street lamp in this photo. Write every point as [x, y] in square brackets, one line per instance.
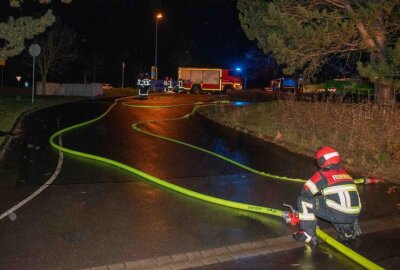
[158, 17]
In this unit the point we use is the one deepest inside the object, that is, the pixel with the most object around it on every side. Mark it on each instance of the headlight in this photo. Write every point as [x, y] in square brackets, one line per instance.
[237, 86]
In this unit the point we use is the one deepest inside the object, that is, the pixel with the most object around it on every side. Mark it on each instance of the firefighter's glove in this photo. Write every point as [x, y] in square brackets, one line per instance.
[291, 218]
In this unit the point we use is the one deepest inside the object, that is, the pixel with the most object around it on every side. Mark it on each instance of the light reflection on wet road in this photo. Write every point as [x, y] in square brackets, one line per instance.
[95, 214]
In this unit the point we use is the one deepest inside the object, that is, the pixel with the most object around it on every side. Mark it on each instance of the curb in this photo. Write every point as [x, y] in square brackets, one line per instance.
[18, 122]
[233, 252]
[4, 146]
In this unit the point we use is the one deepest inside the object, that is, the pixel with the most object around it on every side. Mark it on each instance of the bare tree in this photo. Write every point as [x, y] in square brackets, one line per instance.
[58, 50]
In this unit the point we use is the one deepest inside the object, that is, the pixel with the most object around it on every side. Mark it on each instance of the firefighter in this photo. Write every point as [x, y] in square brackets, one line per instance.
[166, 84]
[140, 83]
[170, 87]
[180, 86]
[329, 194]
[143, 83]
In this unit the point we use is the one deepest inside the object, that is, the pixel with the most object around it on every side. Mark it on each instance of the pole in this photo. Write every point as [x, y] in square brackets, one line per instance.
[2, 76]
[155, 58]
[33, 81]
[123, 73]
[94, 71]
[34, 50]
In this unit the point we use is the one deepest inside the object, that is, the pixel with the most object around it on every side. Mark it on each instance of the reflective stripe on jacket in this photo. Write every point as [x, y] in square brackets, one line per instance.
[338, 189]
[146, 82]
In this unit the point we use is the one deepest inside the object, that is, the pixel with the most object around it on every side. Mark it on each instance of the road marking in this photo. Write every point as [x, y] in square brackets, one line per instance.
[43, 187]
[48, 183]
[236, 251]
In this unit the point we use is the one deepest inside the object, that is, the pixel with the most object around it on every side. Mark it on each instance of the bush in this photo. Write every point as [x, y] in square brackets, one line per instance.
[252, 95]
[120, 92]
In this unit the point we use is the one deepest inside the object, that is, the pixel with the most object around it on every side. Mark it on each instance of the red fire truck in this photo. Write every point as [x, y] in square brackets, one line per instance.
[197, 80]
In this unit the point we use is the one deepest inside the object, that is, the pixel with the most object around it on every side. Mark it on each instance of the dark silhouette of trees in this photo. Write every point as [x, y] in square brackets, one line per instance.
[15, 31]
[305, 35]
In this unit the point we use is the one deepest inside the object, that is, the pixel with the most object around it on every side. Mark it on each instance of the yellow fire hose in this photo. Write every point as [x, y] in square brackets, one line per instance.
[253, 208]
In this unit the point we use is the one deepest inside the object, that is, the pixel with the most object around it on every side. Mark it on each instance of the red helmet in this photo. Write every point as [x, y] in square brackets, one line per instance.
[326, 156]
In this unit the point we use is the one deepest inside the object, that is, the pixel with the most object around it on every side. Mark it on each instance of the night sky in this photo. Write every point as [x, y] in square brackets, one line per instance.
[202, 33]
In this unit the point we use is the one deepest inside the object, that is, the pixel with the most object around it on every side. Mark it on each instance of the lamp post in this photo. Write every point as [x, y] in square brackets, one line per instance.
[123, 74]
[158, 17]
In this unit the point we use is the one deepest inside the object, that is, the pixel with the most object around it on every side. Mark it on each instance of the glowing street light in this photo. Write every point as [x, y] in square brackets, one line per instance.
[158, 17]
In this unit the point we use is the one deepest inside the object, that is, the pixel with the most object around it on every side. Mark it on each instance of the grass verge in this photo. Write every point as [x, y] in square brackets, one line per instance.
[366, 135]
[12, 107]
[12, 104]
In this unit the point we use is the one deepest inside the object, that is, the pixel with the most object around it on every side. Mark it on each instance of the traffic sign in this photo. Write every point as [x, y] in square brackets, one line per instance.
[153, 73]
[34, 50]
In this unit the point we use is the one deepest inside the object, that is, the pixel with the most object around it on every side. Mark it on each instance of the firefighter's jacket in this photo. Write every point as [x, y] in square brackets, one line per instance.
[338, 188]
[143, 82]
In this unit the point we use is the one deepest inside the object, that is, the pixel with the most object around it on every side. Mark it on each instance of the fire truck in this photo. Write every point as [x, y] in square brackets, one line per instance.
[198, 80]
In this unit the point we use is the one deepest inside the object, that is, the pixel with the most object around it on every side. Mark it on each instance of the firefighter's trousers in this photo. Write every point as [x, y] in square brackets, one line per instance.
[310, 208]
[144, 90]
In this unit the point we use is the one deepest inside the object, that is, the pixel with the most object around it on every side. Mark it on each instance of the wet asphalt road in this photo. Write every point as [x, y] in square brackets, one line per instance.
[94, 214]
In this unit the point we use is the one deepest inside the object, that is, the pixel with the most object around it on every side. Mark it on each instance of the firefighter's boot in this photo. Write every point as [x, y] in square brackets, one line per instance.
[302, 236]
[348, 231]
